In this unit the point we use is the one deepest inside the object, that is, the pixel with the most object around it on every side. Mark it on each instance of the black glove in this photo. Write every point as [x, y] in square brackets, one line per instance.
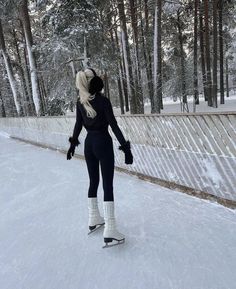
[73, 144]
[128, 157]
[128, 154]
[70, 152]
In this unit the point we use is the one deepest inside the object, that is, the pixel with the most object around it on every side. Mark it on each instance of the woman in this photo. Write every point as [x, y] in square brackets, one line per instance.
[94, 112]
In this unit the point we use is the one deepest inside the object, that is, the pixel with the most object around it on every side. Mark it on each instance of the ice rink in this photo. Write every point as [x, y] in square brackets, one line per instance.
[173, 241]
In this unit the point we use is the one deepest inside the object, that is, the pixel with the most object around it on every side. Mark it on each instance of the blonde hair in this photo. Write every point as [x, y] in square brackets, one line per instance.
[83, 79]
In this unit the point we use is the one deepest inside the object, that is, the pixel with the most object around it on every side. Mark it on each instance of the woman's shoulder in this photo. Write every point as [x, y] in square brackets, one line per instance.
[102, 98]
[100, 95]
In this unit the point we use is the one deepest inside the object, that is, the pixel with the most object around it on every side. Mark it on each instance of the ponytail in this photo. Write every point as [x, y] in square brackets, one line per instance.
[83, 79]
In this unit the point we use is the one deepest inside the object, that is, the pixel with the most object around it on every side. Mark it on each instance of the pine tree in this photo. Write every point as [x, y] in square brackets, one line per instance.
[9, 70]
[24, 14]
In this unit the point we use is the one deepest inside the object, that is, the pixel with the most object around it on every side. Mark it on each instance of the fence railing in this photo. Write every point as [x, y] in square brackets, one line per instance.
[193, 150]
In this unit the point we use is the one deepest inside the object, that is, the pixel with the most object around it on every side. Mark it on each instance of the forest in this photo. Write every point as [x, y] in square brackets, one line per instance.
[145, 50]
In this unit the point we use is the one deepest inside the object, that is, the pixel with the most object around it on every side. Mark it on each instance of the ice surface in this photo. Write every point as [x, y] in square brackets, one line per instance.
[4, 134]
[173, 241]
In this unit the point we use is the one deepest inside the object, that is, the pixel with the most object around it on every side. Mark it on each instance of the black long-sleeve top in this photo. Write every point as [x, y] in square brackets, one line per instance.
[104, 117]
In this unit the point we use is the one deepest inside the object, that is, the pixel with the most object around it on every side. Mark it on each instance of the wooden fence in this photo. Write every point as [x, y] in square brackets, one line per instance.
[192, 150]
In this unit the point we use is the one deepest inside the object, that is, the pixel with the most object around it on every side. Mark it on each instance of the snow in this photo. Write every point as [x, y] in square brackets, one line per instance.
[173, 241]
[174, 107]
[230, 105]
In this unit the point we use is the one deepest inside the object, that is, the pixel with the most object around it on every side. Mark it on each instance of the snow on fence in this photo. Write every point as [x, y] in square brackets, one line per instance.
[193, 150]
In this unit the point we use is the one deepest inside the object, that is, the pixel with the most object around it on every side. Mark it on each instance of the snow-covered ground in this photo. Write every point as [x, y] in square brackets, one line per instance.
[174, 107]
[173, 241]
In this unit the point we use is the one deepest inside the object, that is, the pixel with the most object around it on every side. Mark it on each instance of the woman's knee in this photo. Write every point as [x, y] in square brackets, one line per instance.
[94, 182]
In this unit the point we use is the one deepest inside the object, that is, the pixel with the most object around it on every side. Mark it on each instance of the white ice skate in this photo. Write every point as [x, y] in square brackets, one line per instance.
[95, 220]
[111, 236]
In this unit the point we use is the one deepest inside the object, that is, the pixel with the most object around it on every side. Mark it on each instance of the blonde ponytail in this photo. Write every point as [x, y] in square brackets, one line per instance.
[83, 79]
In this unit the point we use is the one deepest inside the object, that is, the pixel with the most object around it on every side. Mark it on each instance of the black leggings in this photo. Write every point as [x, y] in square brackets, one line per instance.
[99, 149]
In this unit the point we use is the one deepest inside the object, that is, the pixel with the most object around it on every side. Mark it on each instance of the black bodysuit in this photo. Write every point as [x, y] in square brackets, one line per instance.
[98, 143]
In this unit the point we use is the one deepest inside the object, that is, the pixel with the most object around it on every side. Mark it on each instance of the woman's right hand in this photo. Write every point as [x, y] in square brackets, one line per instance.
[71, 152]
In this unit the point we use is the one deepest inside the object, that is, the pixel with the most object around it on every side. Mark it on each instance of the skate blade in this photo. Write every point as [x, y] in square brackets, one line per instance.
[97, 227]
[118, 242]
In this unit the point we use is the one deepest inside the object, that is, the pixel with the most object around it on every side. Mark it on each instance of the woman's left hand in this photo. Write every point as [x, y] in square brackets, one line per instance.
[128, 154]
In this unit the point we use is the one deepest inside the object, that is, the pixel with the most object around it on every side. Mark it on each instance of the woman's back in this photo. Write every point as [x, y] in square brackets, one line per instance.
[99, 122]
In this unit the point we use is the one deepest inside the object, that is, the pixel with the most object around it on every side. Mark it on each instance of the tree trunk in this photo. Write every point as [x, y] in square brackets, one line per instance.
[127, 73]
[26, 102]
[25, 66]
[156, 108]
[159, 58]
[208, 57]
[144, 37]
[28, 83]
[126, 51]
[72, 66]
[42, 95]
[221, 48]
[122, 74]
[149, 57]
[32, 61]
[115, 47]
[215, 54]
[195, 73]
[86, 58]
[227, 76]
[3, 111]
[122, 78]
[9, 70]
[124, 85]
[202, 49]
[120, 96]
[157, 81]
[107, 90]
[138, 86]
[182, 63]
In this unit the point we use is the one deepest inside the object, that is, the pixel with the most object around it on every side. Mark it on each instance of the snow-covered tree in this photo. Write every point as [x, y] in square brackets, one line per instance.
[145, 50]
